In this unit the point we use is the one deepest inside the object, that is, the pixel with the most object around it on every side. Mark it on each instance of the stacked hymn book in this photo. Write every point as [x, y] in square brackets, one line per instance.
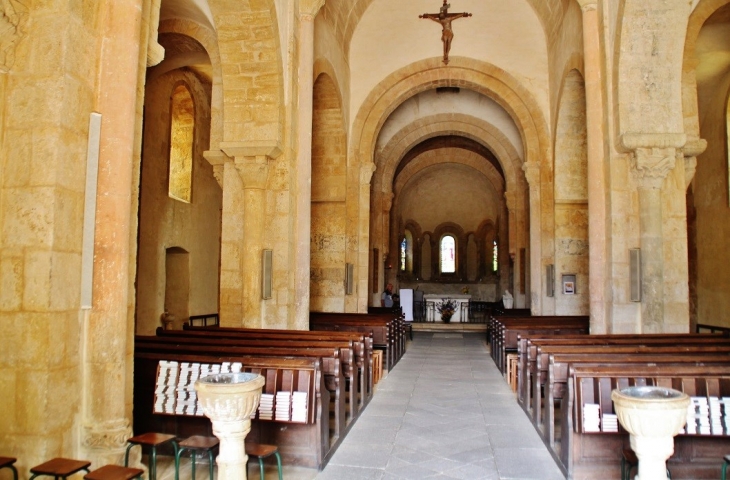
[175, 392]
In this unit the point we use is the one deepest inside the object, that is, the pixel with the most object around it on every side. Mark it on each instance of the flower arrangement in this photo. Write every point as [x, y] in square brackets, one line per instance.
[446, 308]
[465, 290]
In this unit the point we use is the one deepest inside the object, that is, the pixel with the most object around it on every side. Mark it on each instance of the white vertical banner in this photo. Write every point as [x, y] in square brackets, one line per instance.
[87, 243]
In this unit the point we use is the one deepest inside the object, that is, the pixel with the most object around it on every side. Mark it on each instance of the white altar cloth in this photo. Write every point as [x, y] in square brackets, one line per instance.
[462, 306]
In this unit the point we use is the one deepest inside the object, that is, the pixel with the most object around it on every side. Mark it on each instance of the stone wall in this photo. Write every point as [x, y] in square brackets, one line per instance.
[166, 222]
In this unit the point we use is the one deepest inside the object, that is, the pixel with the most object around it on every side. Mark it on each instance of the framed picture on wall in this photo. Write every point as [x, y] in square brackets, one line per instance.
[569, 284]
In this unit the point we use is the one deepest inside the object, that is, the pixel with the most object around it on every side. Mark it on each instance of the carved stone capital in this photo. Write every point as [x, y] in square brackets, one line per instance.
[588, 5]
[254, 171]
[217, 159]
[155, 54]
[107, 435]
[387, 202]
[270, 149]
[310, 8]
[651, 165]
[511, 201]
[532, 173]
[366, 172]
[690, 168]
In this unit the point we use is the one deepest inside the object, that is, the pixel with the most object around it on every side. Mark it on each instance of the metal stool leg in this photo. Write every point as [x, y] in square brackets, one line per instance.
[724, 470]
[177, 463]
[192, 461]
[126, 454]
[261, 466]
[210, 462]
[278, 463]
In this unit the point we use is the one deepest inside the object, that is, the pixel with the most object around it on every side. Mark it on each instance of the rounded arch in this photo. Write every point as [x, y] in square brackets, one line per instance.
[480, 77]
[255, 70]
[324, 67]
[482, 132]
[207, 39]
[690, 108]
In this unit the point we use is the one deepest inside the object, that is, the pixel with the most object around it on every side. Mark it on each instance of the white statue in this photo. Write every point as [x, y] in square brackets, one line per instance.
[507, 299]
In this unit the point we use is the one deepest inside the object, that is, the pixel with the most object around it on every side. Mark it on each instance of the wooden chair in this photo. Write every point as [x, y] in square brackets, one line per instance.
[193, 444]
[7, 462]
[262, 451]
[152, 440]
[114, 472]
[59, 468]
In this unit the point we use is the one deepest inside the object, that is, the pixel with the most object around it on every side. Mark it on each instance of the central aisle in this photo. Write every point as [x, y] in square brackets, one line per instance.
[443, 412]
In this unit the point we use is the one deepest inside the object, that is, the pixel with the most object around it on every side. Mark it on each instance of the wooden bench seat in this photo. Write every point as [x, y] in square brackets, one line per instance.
[507, 330]
[308, 443]
[346, 355]
[331, 367]
[587, 455]
[358, 338]
[361, 346]
[389, 333]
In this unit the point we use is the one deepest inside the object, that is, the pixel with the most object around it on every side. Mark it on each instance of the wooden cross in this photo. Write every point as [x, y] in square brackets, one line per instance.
[445, 18]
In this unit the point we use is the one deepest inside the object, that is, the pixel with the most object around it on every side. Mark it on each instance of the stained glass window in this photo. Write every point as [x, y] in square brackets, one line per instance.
[448, 254]
[495, 251]
[403, 245]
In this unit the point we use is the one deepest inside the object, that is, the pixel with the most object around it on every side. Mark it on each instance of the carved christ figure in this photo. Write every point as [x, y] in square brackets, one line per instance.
[445, 18]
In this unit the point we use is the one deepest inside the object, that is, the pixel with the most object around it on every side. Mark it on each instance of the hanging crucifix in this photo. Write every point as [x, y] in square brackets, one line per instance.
[445, 18]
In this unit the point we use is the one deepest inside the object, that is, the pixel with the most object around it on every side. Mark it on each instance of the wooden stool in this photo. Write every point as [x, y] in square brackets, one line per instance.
[114, 472]
[152, 440]
[196, 442]
[261, 451]
[7, 462]
[59, 468]
[629, 461]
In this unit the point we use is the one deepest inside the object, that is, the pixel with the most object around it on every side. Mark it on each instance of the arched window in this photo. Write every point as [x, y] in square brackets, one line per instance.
[406, 253]
[403, 245]
[447, 254]
[495, 252]
[181, 144]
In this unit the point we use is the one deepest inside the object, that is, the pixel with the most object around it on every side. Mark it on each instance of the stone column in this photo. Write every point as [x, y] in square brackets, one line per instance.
[244, 227]
[105, 410]
[650, 165]
[512, 248]
[597, 231]
[303, 223]
[532, 174]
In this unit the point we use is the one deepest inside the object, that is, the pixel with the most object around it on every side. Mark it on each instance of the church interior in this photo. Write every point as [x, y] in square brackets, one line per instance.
[573, 153]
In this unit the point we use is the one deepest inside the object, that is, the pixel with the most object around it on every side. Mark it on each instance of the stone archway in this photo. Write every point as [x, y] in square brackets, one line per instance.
[480, 77]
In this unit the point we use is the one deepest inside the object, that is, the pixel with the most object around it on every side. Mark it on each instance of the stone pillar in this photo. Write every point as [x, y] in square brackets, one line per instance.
[388, 242]
[303, 223]
[597, 231]
[650, 165]
[244, 224]
[106, 413]
[532, 174]
[513, 248]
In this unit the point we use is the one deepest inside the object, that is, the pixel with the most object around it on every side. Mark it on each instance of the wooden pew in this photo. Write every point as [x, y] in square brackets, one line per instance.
[305, 444]
[531, 364]
[345, 347]
[330, 360]
[615, 350]
[358, 338]
[507, 330]
[388, 331]
[560, 364]
[584, 455]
